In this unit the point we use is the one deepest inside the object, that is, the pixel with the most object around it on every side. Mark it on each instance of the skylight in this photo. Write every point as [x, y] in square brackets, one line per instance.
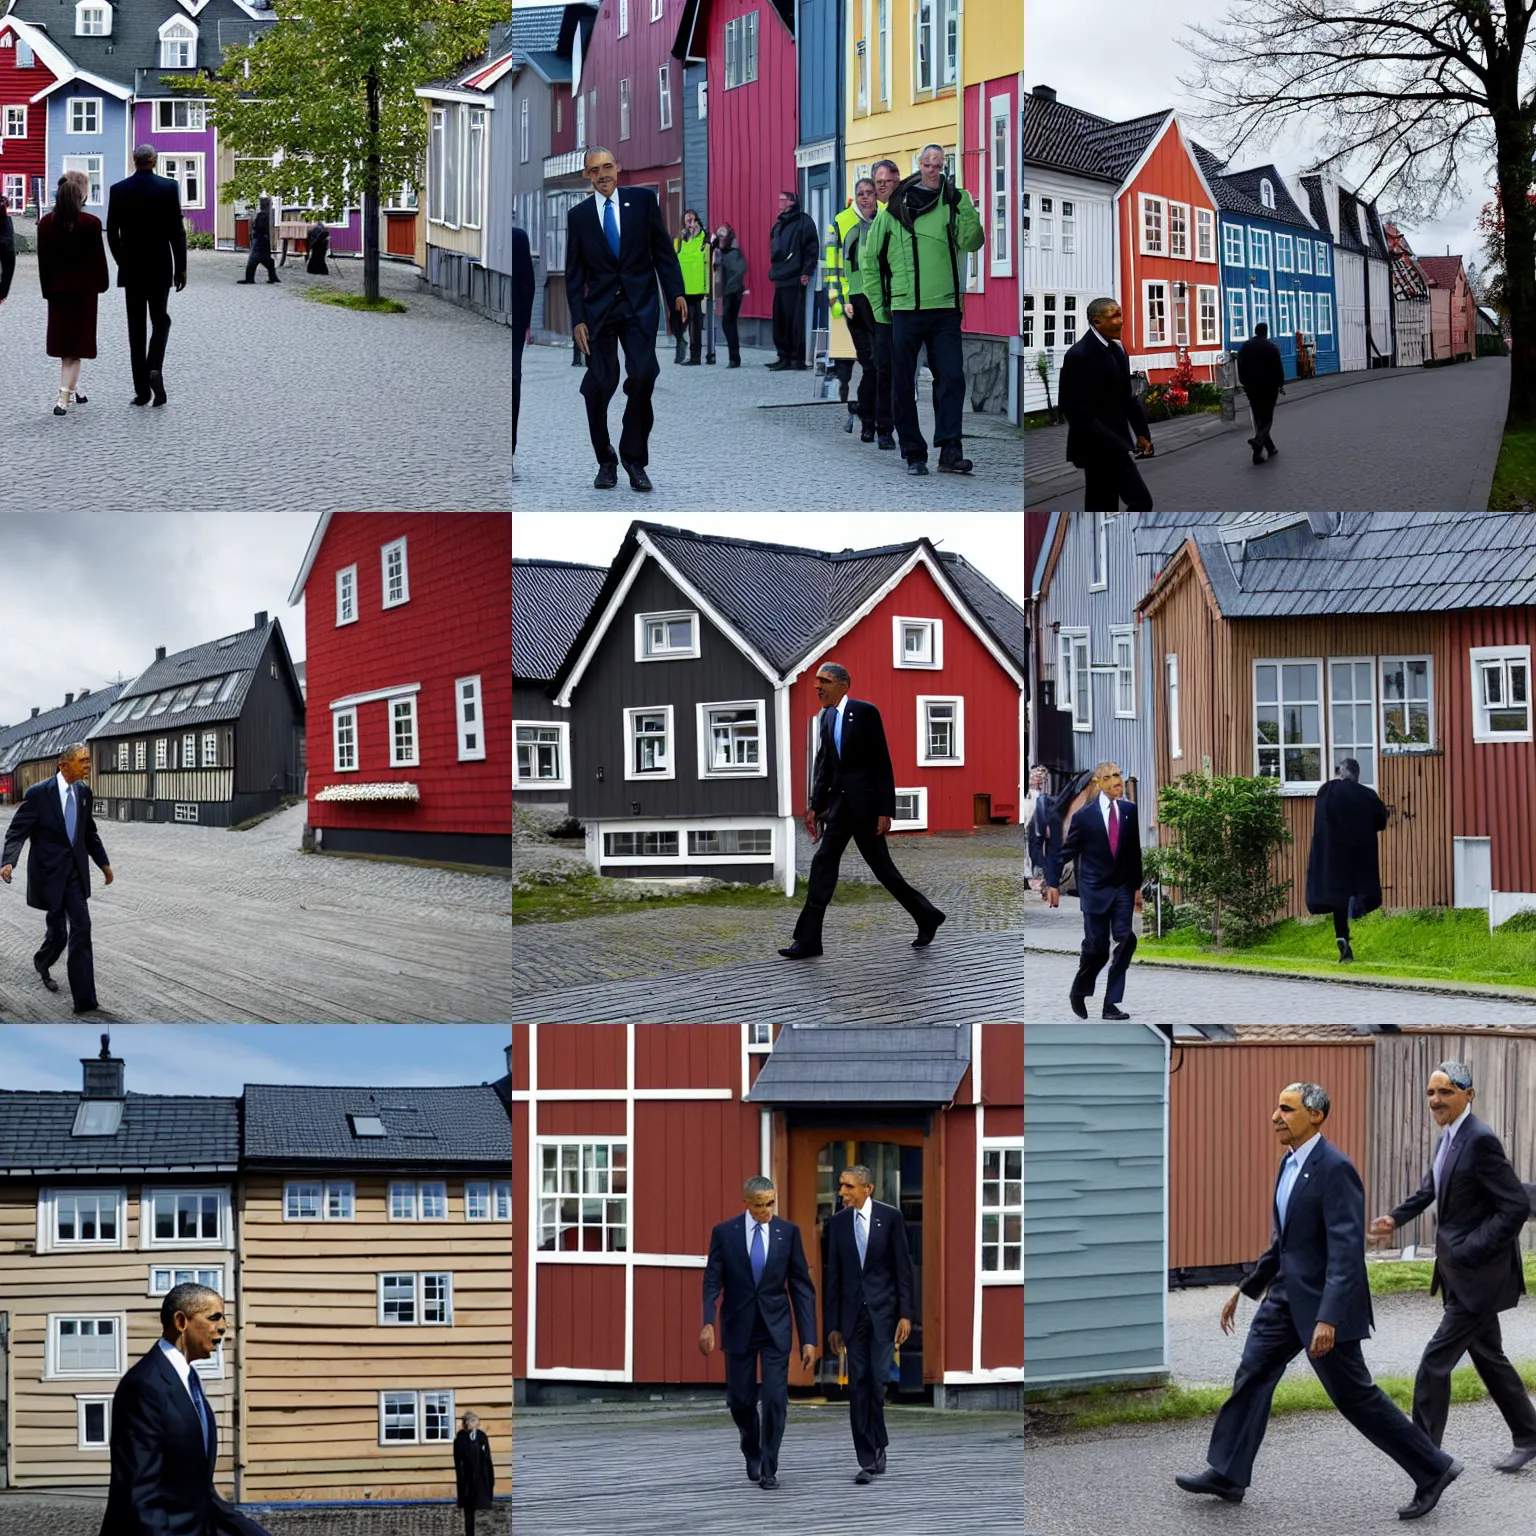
[98, 1117]
[367, 1125]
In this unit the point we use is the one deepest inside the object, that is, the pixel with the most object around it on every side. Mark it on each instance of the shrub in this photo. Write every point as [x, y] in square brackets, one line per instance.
[200, 240]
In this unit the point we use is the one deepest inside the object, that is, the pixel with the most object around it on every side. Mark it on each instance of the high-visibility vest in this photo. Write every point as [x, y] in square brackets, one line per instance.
[838, 292]
[693, 258]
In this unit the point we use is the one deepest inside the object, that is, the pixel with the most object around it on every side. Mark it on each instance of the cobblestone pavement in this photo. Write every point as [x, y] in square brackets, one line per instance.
[745, 440]
[24, 1514]
[947, 1472]
[273, 401]
[1378, 445]
[206, 924]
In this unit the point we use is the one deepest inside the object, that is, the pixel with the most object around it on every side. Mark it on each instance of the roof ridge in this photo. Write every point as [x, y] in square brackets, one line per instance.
[783, 549]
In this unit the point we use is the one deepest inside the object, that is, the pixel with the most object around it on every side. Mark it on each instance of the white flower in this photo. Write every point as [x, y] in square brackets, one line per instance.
[389, 791]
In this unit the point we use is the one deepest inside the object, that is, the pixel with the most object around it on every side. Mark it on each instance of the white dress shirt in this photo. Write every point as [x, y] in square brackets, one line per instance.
[179, 1364]
[766, 1234]
[618, 212]
[1447, 1141]
[1292, 1167]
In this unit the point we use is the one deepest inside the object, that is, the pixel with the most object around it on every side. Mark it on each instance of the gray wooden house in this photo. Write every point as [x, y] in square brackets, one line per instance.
[213, 734]
[1095, 1205]
[29, 752]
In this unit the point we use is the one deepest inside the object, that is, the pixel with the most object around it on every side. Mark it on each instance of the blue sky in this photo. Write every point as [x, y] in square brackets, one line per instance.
[220, 1059]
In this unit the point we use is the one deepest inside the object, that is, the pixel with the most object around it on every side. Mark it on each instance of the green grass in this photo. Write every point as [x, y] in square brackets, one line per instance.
[1393, 1277]
[591, 896]
[1433, 944]
[1514, 479]
[378, 306]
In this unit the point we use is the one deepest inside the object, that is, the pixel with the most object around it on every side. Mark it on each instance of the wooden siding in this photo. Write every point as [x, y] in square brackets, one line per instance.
[266, 761]
[951, 1348]
[316, 1357]
[1272, 280]
[650, 155]
[994, 310]
[23, 88]
[582, 1056]
[1002, 1072]
[1002, 1327]
[818, 46]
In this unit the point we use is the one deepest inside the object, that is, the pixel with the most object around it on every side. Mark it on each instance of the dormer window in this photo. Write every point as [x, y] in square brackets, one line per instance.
[1267, 192]
[178, 44]
[93, 18]
[666, 636]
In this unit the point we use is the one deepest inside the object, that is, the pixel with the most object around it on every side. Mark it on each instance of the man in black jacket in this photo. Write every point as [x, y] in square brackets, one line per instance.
[1343, 866]
[1105, 421]
[1261, 372]
[1480, 1207]
[522, 318]
[852, 798]
[149, 245]
[793, 250]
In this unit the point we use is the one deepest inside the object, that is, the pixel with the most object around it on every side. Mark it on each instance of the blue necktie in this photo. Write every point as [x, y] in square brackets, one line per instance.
[759, 1257]
[859, 1236]
[1288, 1176]
[611, 225]
[200, 1403]
[69, 814]
[1441, 1153]
[837, 730]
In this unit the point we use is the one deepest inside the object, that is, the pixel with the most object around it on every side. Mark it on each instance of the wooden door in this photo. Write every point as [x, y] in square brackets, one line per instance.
[981, 810]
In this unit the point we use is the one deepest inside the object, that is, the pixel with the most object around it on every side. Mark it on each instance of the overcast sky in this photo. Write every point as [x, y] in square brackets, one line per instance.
[1119, 60]
[991, 541]
[85, 597]
[219, 1059]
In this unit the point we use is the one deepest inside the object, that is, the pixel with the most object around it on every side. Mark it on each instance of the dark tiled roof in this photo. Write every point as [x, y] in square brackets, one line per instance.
[1441, 270]
[1239, 192]
[864, 1064]
[1069, 139]
[550, 602]
[423, 1125]
[553, 68]
[158, 1131]
[55, 728]
[536, 28]
[1317, 203]
[1003, 617]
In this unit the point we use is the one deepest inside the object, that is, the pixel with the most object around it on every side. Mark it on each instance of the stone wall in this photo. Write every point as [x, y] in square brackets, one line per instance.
[986, 373]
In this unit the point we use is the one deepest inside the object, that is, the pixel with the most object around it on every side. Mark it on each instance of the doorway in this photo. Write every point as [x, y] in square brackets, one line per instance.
[981, 813]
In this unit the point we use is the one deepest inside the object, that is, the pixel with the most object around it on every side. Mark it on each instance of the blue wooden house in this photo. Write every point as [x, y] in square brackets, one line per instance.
[1275, 265]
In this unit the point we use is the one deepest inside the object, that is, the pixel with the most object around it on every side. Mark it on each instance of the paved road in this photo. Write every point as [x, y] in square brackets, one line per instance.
[24, 1514]
[745, 439]
[274, 401]
[1428, 439]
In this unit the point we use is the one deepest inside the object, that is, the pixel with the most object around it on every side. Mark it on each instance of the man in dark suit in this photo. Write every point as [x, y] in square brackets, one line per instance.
[1105, 840]
[616, 251]
[56, 815]
[522, 318]
[165, 1439]
[1343, 866]
[1261, 372]
[868, 1306]
[1105, 421]
[757, 1274]
[1315, 1297]
[149, 245]
[852, 799]
[1480, 1207]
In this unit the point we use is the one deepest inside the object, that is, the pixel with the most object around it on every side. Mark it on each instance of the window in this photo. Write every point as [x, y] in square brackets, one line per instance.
[85, 115]
[122, 757]
[1208, 315]
[344, 740]
[306, 1200]
[1181, 314]
[1258, 248]
[1405, 695]
[415, 1418]
[1000, 188]
[1322, 258]
[1232, 244]
[949, 38]
[640, 845]
[14, 187]
[1352, 713]
[1123, 640]
[1178, 230]
[162, 702]
[437, 162]
[93, 19]
[471, 728]
[1068, 227]
[623, 18]
[186, 813]
[474, 164]
[1304, 315]
[1237, 314]
[861, 50]
[885, 48]
[418, 1202]
[1002, 1212]
[84, 1346]
[1068, 319]
[210, 757]
[1285, 314]
[731, 842]
[187, 172]
[666, 636]
[161, 758]
[656, 6]
[1260, 301]
[1100, 542]
[523, 135]
[1205, 235]
[922, 53]
[164, 1278]
[1501, 692]
[409, 1300]
[205, 694]
[397, 581]
[181, 116]
[542, 755]
[1175, 739]
[664, 94]
[25, 58]
[93, 1425]
[1155, 314]
[1024, 202]
[402, 732]
[486, 1200]
[179, 1217]
[623, 109]
[732, 740]
[741, 51]
[911, 810]
[84, 1218]
[940, 732]
[1267, 192]
[917, 642]
[1288, 723]
[1152, 216]
[16, 121]
[1048, 319]
[584, 1196]
[140, 755]
[346, 596]
[1325, 314]
[1284, 248]
[178, 41]
[1080, 670]
[434, 1202]
[1303, 255]
[648, 734]
[227, 691]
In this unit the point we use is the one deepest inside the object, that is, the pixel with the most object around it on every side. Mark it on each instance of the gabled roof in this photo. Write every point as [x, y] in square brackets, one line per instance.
[1239, 191]
[1408, 280]
[479, 76]
[1317, 203]
[1441, 270]
[1002, 616]
[689, 47]
[158, 1132]
[549, 67]
[1069, 139]
[852, 1064]
[536, 28]
[550, 602]
[45, 734]
[426, 1126]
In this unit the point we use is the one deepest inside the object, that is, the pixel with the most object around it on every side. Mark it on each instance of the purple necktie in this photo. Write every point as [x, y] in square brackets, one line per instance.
[1114, 831]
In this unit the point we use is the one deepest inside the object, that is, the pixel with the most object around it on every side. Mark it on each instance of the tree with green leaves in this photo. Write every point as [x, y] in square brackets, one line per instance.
[321, 106]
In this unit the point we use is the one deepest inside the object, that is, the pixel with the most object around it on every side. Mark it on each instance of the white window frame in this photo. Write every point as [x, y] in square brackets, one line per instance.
[7, 130]
[92, 167]
[1154, 336]
[219, 1272]
[1179, 231]
[1480, 656]
[681, 829]
[337, 716]
[1209, 335]
[552, 1198]
[324, 1188]
[563, 747]
[669, 771]
[162, 753]
[1099, 543]
[122, 757]
[664, 95]
[420, 1414]
[623, 18]
[140, 755]
[497, 1194]
[1148, 203]
[923, 759]
[51, 1369]
[1285, 252]
[920, 823]
[1323, 259]
[1319, 664]
[411, 758]
[1000, 164]
[209, 757]
[93, 1398]
[417, 1188]
[418, 1299]
[165, 116]
[1258, 248]
[1324, 314]
[80, 102]
[656, 8]
[147, 1240]
[1382, 662]
[176, 165]
[177, 32]
[1285, 313]
[346, 595]
[48, 1240]
[1082, 698]
[624, 112]
[405, 573]
[1237, 314]
[1002, 1145]
[935, 628]
[1205, 235]
[1124, 635]
[1260, 307]
[1233, 245]
[668, 616]
[1306, 319]
[469, 691]
[1304, 255]
[1064, 638]
[705, 740]
[103, 13]
[1175, 734]
[1352, 748]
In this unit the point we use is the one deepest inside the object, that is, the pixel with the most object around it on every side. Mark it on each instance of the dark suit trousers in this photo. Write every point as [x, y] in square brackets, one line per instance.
[620, 328]
[1262, 408]
[1271, 1345]
[1098, 929]
[870, 1352]
[759, 1439]
[789, 321]
[835, 837]
[1109, 482]
[70, 922]
[260, 256]
[1477, 1334]
[147, 313]
[517, 385]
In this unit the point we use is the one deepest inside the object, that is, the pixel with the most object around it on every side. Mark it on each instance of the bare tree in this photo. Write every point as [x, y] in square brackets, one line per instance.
[1416, 92]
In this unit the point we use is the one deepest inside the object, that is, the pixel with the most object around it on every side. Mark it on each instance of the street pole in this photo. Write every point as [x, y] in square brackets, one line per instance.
[371, 180]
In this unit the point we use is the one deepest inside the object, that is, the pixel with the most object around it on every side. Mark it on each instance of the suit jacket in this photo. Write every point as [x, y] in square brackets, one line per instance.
[162, 1470]
[40, 816]
[1260, 369]
[862, 777]
[473, 1471]
[1099, 877]
[884, 1284]
[1321, 1253]
[1482, 1207]
[594, 276]
[145, 232]
[1102, 410]
[1343, 861]
[523, 285]
[785, 1286]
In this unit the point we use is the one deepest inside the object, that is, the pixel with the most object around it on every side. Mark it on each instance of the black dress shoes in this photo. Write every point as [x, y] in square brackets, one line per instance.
[777, 367]
[885, 440]
[1078, 1006]
[607, 475]
[157, 386]
[139, 400]
[1111, 1012]
[48, 980]
[925, 935]
[917, 466]
[754, 1471]
[1517, 1458]
[1345, 952]
[867, 435]
[1210, 1482]
[1425, 1498]
[953, 462]
[767, 1480]
[638, 479]
[799, 951]
[865, 1476]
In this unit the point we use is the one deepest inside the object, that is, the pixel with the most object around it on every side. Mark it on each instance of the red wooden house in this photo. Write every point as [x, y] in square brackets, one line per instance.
[631, 1141]
[1452, 310]
[30, 67]
[991, 174]
[409, 630]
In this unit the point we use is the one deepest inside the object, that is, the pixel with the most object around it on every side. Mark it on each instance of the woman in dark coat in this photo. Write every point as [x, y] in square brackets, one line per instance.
[731, 285]
[1343, 870]
[317, 242]
[474, 1471]
[72, 268]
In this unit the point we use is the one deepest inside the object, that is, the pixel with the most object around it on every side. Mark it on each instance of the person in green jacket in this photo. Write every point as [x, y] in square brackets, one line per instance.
[692, 247]
[918, 244]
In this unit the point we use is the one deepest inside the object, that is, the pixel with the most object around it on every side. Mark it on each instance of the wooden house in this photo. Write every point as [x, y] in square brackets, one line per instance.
[1401, 639]
[211, 735]
[1452, 310]
[31, 68]
[375, 1243]
[1361, 262]
[606, 1279]
[29, 752]
[1410, 301]
[824, 172]
[691, 705]
[408, 627]
[108, 1198]
[550, 602]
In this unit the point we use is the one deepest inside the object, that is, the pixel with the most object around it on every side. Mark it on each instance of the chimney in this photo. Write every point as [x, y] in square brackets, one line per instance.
[1043, 93]
[261, 620]
[84, 693]
[159, 653]
[103, 1076]
[69, 699]
[34, 711]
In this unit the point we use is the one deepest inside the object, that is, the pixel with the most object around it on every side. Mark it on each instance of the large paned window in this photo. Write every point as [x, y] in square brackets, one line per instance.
[1406, 715]
[84, 1346]
[648, 733]
[1501, 693]
[584, 1196]
[940, 731]
[731, 740]
[1352, 713]
[415, 1418]
[1002, 1213]
[541, 755]
[1123, 639]
[1288, 722]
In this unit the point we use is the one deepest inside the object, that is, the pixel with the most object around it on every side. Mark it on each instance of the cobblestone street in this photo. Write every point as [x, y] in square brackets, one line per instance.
[241, 927]
[745, 440]
[24, 1514]
[273, 401]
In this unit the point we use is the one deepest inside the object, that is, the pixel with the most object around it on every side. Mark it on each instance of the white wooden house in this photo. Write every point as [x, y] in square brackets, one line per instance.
[1362, 269]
